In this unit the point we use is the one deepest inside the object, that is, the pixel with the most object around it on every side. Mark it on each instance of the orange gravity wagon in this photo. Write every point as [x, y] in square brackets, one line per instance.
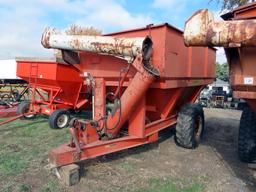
[56, 89]
[142, 81]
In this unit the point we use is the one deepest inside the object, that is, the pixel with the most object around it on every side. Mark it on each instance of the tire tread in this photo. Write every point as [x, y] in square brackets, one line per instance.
[247, 136]
[185, 127]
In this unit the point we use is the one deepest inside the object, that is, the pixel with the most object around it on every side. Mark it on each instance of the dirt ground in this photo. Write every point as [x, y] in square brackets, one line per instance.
[162, 166]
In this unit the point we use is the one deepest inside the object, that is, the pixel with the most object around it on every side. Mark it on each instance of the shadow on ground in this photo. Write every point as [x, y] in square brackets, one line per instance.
[163, 136]
[221, 135]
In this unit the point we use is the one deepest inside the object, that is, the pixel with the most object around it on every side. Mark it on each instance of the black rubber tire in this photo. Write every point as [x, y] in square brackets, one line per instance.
[190, 126]
[247, 136]
[23, 108]
[53, 119]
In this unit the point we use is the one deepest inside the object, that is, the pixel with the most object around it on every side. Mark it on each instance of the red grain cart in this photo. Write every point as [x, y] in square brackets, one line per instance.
[145, 81]
[56, 88]
[237, 34]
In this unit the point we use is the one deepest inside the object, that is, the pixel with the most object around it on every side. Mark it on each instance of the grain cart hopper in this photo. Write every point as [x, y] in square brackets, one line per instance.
[145, 80]
[56, 88]
[238, 37]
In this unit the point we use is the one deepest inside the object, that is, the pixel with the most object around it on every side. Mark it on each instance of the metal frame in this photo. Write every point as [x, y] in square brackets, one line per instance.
[38, 101]
[86, 142]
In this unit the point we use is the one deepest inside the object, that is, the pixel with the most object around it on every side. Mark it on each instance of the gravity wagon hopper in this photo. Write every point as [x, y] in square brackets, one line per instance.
[237, 34]
[143, 81]
[56, 89]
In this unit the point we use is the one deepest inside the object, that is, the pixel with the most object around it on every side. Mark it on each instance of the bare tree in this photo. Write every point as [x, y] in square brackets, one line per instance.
[230, 4]
[78, 30]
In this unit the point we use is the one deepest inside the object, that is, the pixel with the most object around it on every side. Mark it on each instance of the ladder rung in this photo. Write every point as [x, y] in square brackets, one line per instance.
[33, 72]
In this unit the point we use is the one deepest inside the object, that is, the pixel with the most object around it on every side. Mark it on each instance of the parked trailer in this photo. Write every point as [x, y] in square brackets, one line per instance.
[12, 89]
[145, 80]
[10, 92]
[237, 34]
[56, 88]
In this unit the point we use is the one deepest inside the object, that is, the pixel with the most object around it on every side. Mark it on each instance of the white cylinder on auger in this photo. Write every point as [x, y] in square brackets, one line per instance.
[126, 48]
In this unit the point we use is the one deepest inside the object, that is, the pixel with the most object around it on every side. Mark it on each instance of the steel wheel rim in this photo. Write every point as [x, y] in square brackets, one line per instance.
[62, 120]
[29, 116]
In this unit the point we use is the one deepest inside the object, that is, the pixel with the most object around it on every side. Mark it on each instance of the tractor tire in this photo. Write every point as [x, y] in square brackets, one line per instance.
[24, 108]
[190, 126]
[59, 119]
[247, 136]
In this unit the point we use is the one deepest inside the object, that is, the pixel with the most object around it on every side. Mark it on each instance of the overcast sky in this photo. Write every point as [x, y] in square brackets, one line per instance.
[22, 22]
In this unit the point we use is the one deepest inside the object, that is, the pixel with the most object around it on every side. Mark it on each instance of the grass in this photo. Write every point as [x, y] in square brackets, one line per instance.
[172, 185]
[51, 186]
[24, 145]
[20, 187]
[126, 166]
[11, 164]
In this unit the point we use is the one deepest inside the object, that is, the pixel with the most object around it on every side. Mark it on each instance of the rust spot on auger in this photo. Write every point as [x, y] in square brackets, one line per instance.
[75, 43]
[46, 38]
[202, 30]
[109, 48]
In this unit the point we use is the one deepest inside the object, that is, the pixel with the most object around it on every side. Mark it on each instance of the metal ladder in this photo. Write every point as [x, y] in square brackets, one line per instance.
[33, 76]
[33, 73]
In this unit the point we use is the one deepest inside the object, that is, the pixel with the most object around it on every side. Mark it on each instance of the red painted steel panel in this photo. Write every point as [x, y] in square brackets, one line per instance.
[170, 55]
[242, 60]
[52, 75]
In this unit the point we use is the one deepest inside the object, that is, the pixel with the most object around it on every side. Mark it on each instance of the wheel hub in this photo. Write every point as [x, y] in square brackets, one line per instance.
[62, 120]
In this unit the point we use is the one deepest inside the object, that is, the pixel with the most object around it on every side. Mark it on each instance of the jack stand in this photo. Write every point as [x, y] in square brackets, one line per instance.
[68, 174]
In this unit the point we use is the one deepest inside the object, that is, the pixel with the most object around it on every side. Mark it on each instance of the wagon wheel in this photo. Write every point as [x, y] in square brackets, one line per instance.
[24, 108]
[59, 119]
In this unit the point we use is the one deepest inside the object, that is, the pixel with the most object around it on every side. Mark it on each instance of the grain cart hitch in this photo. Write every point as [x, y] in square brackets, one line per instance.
[136, 92]
[16, 118]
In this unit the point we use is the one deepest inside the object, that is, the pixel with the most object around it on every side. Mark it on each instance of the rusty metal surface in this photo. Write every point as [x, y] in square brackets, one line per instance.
[202, 30]
[126, 48]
